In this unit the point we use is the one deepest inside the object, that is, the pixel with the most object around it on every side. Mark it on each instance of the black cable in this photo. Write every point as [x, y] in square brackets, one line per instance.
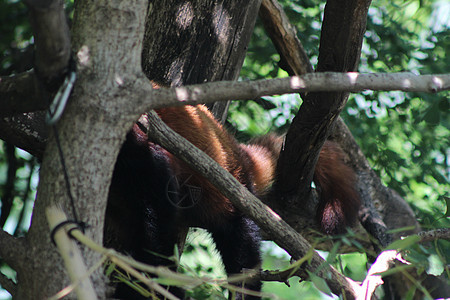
[77, 226]
[66, 175]
[52, 117]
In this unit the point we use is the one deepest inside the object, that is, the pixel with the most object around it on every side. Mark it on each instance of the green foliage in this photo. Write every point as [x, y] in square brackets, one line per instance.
[405, 136]
[201, 258]
[15, 35]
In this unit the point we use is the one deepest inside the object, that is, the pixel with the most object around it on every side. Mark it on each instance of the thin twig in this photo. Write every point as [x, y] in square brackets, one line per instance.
[428, 236]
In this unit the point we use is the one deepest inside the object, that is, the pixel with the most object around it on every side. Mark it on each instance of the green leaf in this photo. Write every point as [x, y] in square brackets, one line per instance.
[404, 243]
[320, 283]
[435, 265]
[432, 115]
[444, 105]
[447, 203]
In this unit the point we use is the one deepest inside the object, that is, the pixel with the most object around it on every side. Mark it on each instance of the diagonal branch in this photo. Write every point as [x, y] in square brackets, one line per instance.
[12, 249]
[20, 94]
[8, 285]
[268, 220]
[340, 46]
[284, 37]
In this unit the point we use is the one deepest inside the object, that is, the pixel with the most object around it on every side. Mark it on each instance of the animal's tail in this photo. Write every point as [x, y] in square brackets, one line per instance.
[339, 200]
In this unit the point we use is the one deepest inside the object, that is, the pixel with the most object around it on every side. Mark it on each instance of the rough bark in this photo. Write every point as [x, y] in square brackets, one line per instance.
[100, 101]
[284, 37]
[199, 41]
[27, 131]
[51, 40]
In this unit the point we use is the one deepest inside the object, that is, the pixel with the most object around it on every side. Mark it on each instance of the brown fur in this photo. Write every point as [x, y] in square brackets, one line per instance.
[197, 125]
[339, 200]
[254, 166]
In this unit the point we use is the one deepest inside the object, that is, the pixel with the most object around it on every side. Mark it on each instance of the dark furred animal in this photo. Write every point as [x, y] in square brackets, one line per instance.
[154, 196]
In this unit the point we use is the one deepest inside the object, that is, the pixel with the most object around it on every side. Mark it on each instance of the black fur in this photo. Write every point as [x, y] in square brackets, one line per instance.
[141, 216]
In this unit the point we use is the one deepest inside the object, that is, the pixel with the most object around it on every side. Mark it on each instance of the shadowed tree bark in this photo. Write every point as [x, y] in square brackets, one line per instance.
[116, 46]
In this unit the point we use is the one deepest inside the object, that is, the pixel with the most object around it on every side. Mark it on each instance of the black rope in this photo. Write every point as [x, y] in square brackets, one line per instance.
[53, 115]
[77, 226]
[65, 173]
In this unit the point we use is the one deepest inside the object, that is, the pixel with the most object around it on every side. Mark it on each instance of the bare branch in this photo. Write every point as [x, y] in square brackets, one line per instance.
[284, 37]
[71, 254]
[26, 131]
[312, 82]
[20, 93]
[266, 219]
[428, 236]
[51, 39]
[8, 285]
[29, 132]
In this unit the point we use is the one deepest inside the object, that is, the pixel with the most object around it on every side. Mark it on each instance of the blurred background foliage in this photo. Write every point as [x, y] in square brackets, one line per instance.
[405, 136]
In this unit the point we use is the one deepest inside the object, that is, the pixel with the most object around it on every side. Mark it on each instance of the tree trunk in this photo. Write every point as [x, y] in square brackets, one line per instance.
[90, 133]
[107, 41]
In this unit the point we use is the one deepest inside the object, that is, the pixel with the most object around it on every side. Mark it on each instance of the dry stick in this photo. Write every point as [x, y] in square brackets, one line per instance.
[71, 255]
[68, 289]
[131, 266]
[241, 198]
[75, 265]
[428, 236]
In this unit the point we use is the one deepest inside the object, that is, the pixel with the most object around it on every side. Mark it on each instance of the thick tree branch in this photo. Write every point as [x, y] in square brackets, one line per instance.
[268, 220]
[51, 39]
[394, 211]
[312, 82]
[370, 218]
[343, 27]
[12, 249]
[284, 37]
[29, 132]
[26, 131]
[219, 34]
